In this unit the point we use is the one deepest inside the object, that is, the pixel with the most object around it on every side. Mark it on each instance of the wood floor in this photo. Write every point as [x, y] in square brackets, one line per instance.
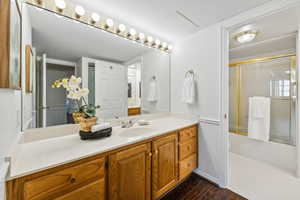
[196, 188]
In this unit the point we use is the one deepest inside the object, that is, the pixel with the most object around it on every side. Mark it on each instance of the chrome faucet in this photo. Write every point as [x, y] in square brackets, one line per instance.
[127, 123]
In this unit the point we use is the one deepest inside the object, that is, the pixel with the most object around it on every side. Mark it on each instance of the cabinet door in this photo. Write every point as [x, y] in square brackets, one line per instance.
[92, 191]
[130, 174]
[165, 165]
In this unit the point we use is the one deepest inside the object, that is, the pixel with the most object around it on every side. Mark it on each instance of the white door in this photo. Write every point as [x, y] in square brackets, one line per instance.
[110, 90]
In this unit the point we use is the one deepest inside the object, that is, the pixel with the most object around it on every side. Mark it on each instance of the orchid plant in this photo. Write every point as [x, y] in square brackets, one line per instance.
[76, 92]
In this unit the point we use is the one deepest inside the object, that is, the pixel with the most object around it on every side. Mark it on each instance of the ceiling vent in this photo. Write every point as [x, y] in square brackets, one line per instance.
[189, 20]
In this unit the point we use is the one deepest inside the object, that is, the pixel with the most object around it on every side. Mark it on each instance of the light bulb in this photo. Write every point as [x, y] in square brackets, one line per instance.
[150, 39]
[246, 36]
[122, 28]
[132, 32]
[109, 23]
[164, 45]
[157, 42]
[79, 10]
[141, 36]
[60, 4]
[170, 47]
[95, 17]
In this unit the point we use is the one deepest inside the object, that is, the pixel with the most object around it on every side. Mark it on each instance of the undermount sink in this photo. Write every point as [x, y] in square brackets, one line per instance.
[136, 131]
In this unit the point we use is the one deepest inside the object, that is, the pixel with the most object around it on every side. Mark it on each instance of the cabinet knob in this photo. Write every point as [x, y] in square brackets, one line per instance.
[73, 180]
[149, 154]
[156, 151]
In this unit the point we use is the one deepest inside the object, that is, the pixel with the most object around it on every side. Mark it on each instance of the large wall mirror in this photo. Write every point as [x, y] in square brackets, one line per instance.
[122, 77]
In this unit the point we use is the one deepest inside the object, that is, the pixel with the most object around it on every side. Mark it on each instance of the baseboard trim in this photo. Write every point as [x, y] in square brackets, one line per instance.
[207, 176]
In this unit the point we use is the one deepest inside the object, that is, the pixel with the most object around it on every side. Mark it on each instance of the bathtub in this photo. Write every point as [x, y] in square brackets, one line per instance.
[280, 155]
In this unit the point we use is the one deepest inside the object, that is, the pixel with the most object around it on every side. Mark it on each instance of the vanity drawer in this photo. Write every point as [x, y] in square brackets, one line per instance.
[94, 190]
[64, 180]
[187, 133]
[187, 148]
[187, 166]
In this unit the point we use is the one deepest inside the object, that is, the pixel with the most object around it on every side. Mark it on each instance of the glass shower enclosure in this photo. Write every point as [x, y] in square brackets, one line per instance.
[273, 77]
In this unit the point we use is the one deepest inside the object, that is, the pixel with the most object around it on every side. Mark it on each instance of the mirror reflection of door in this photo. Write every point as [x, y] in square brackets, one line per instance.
[134, 89]
[55, 106]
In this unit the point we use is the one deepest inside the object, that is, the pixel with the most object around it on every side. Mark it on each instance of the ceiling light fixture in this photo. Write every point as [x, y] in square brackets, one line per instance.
[246, 36]
[79, 10]
[95, 18]
[170, 47]
[60, 5]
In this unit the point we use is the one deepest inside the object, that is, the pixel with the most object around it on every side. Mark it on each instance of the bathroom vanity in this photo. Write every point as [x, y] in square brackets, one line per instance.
[138, 163]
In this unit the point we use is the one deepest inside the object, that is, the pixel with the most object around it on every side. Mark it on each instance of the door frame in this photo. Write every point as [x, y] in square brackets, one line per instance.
[131, 62]
[266, 9]
[45, 62]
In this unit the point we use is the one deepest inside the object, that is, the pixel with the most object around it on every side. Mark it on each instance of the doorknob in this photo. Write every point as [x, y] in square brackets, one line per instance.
[44, 107]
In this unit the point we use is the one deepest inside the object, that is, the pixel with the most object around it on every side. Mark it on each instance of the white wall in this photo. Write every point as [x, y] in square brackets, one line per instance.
[204, 52]
[200, 53]
[10, 119]
[156, 63]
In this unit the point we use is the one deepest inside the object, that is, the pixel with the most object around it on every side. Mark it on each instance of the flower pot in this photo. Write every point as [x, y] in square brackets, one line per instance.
[86, 123]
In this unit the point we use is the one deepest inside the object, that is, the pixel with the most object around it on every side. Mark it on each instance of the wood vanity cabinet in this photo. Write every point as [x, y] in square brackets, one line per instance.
[143, 171]
[84, 179]
[164, 164]
[130, 173]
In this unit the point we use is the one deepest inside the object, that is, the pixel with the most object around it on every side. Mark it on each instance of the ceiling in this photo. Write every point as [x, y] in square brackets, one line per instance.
[64, 39]
[159, 17]
[276, 32]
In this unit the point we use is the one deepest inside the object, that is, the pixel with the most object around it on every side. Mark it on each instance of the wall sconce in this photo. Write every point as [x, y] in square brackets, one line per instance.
[149, 40]
[121, 28]
[170, 47]
[39, 2]
[131, 33]
[157, 43]
[109, 23]
[141, 37]
[164, 45]
[60, 5]
[79, 11]
[95, 18]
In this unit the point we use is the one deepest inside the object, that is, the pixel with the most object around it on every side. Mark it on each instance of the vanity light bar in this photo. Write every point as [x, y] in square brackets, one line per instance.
[78, 13]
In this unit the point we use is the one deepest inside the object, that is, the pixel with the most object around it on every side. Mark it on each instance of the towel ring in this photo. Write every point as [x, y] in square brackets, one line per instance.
[191, 72]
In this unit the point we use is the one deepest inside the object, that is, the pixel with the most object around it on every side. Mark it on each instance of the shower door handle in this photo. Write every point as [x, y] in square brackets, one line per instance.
[294, 91]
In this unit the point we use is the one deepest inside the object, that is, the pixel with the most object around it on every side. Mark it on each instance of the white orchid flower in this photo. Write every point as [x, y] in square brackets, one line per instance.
[74, 82]
[83, 91]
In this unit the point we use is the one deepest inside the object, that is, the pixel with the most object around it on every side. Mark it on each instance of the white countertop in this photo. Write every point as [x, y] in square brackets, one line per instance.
[40, 155]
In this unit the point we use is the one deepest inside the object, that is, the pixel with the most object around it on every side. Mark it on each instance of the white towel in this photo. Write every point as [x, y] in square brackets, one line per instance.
[152, 93]
[189, 90]
[259, 118]
[100, 127]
